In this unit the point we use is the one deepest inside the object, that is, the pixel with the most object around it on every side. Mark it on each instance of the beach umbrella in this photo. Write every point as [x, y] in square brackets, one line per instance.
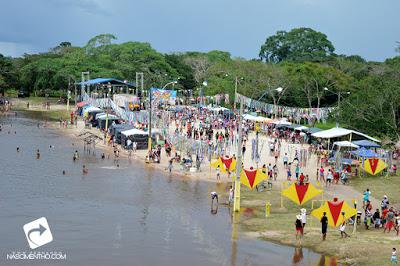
[252, 177]
[300, 194]
[336, 212]
[374, 166]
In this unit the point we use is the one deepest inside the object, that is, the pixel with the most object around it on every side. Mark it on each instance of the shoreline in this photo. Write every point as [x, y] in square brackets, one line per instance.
[259, 227]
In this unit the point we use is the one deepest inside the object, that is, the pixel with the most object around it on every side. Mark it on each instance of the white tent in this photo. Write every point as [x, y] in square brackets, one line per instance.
[249, 117]
[134, 131]
[104, 117]
[90, 109]
[282, 122]
[301, 128]
[98, 115]
[345, 144]
[337, 132]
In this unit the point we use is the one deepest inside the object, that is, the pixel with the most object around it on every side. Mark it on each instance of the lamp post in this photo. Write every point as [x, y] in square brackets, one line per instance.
[236, 201]
[205, 84]
[85, 74]
[169, 83]
[279, 90]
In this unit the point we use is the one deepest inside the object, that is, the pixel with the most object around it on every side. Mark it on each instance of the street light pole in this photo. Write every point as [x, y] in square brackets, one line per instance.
[169, 83]
[150, 112]
[236, 202]
[236, 85]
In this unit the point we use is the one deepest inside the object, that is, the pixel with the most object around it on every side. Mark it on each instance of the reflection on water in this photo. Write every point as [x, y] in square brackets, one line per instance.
[127, 215]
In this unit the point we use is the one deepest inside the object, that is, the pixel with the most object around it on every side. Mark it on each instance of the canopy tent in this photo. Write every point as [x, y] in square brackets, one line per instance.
[134, 131]
[99, 114]
[345, 143]
[89, 109]
[364, 153]
[249, 117]
[337, 132]
[109, 117]
[134, 135]
[366, 143]
[282, 122]
[257, 118]
[312, 130]
[81, 104]
[301, 128]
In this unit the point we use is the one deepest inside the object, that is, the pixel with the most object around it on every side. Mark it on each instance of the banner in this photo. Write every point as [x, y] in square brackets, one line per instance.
[163, 96]
[294, 112]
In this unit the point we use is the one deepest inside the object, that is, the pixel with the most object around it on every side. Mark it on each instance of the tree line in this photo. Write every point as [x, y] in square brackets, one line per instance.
[302, 62]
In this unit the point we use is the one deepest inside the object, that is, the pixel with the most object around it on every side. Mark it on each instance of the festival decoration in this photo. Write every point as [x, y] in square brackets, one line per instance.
[374, 166]
[252, 177]
[300, 194]
[336, 212]
[225, 163]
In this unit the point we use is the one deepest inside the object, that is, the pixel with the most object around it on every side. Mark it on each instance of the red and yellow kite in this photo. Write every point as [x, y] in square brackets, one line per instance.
[300, 194]
[252, 177]
[336, 211]
[225, 163]
[374, 166]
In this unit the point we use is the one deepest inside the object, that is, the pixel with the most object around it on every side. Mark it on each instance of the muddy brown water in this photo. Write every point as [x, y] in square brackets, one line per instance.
[126, 215]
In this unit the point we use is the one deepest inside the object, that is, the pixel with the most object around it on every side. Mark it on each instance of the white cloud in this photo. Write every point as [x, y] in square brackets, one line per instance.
[15, 49]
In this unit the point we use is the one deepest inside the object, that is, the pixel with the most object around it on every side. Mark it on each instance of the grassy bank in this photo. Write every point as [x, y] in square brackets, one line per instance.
[37, 111]
[366, 247]
[379, 186]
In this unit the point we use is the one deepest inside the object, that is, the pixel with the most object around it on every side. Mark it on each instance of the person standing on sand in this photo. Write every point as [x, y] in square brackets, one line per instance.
[231, 195]
[342, 228]
[303, 215]
[299, 227]
[170, 165]
[366, 194]
[218, 173]
[393, 258]
[324, 226]
[285, 160]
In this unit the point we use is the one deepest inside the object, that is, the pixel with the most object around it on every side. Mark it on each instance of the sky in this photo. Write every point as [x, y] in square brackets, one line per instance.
[369, 28]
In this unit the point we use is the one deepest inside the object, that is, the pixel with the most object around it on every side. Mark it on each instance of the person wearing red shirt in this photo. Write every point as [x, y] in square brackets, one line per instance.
[301, 179]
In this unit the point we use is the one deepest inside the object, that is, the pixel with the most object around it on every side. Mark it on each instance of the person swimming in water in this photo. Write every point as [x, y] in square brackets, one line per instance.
[63, 172]
[37, 154]
[17, 149]
[76, 156]
[84, 170]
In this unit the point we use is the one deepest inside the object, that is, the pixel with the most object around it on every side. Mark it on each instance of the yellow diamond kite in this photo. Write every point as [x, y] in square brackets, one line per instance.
[300, 194]
[336, 212]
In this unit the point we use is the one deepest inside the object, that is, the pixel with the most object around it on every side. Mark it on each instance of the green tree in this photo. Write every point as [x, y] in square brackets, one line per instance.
[299, 44]
[99, 43]
[8, 76]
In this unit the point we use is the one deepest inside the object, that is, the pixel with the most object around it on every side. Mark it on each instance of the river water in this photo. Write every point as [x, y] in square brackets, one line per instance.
[131, 215]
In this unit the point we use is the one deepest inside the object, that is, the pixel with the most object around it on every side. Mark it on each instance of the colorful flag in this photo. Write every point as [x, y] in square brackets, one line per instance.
[300, 194]
[336, 212]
